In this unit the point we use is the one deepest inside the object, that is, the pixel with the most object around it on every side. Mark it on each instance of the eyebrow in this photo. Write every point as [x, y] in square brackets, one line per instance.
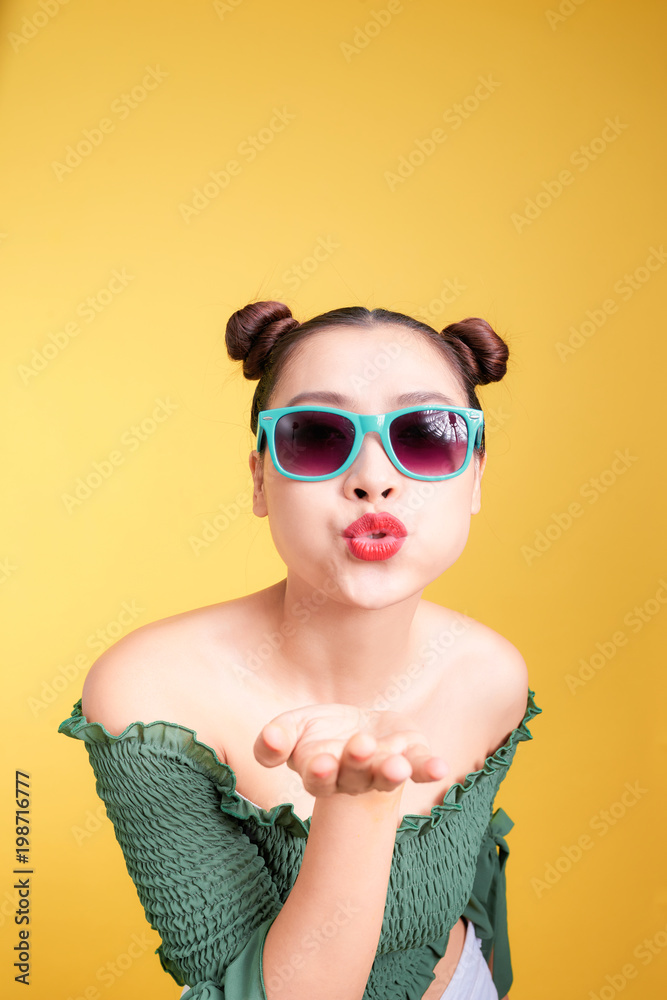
[342, 401]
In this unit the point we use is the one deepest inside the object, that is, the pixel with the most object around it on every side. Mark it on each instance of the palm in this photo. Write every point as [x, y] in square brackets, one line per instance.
[341, 748]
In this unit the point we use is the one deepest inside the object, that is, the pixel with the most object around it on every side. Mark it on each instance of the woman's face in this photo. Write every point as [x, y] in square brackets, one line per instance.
[369, 368]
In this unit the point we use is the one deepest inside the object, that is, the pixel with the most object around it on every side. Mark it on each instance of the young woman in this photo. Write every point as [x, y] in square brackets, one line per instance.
[337, 694]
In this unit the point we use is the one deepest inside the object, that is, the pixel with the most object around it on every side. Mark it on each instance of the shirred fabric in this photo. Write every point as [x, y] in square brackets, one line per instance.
[212, 869]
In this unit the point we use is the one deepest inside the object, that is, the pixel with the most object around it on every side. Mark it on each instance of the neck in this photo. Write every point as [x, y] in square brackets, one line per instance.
[333, 652]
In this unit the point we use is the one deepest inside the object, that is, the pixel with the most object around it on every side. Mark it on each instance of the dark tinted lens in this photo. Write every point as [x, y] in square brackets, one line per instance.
[309, 443]
[430, 442]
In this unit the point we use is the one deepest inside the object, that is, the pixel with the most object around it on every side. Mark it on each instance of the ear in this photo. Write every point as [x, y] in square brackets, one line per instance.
[476, 500]
[258, 497]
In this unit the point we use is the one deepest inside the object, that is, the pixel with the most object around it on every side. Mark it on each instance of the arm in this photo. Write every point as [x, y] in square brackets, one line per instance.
[338, 901]
[201, 881]
[208, 893]
[350, 847]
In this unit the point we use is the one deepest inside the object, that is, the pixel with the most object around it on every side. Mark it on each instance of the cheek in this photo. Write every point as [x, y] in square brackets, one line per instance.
[443, 502]
[297, 518]
[446, 524]
[445, 520]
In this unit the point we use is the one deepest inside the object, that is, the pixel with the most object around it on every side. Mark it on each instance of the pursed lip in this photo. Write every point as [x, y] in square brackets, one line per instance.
[375, 524]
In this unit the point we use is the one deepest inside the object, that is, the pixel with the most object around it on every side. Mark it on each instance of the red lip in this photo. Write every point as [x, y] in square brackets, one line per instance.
[361, 543]
[375, 524]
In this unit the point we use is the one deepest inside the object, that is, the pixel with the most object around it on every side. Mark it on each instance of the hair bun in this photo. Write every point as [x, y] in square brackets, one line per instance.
[252, 331]
[484, 353]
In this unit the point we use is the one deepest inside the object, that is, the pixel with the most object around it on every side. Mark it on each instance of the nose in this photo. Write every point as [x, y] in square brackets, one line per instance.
[372, 474]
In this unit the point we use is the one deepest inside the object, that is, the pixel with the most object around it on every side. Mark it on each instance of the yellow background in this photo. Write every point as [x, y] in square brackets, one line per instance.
[558, 421]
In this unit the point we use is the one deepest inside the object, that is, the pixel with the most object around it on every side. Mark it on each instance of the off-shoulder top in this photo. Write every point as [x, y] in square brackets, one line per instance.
[212, 869]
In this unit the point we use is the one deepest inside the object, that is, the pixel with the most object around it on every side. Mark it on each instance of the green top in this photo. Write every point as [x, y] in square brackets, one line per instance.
[212, 869]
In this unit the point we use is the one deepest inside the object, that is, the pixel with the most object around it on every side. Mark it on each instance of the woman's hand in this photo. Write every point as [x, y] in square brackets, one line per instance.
[340, 748]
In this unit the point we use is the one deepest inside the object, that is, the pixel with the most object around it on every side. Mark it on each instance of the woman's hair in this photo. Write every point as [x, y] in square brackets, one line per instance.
[263, 336]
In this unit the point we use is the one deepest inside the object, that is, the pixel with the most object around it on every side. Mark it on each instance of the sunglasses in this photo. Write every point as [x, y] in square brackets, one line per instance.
[312, 443]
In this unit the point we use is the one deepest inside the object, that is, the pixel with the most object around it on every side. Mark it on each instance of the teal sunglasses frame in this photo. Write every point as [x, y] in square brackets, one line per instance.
[363, 424]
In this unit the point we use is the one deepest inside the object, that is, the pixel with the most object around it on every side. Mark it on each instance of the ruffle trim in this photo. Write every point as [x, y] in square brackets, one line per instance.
[178, 739]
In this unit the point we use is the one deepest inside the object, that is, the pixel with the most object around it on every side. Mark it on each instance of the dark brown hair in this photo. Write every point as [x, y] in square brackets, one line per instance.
[263, 334]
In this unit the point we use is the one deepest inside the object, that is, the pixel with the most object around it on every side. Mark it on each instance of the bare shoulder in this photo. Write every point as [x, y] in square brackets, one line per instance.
[494, 670]
[502, 682]
[151, 672]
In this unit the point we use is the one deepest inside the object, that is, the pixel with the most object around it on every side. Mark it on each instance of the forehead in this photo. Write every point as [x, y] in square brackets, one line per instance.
[350, 366]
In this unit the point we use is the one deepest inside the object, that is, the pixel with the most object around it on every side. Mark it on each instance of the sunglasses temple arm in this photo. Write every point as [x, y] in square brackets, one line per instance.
[479, 435]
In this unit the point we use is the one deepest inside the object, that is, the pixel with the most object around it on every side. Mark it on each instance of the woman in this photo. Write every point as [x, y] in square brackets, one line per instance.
[338, 693]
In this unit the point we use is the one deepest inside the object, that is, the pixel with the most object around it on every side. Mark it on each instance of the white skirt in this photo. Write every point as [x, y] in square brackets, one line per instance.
[472, 978]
